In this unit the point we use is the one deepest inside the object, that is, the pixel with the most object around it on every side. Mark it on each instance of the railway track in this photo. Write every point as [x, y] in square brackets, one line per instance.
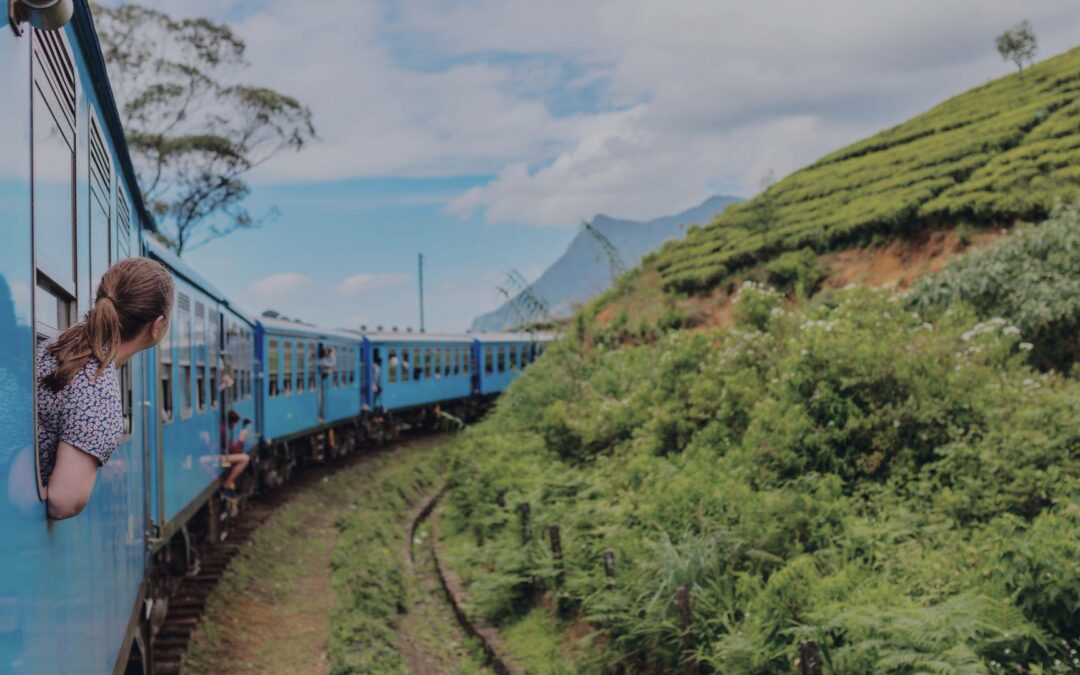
[187, 604]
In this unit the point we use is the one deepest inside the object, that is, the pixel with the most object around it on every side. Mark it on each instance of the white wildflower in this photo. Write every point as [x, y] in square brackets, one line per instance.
[1026, 346]
[1011, 330]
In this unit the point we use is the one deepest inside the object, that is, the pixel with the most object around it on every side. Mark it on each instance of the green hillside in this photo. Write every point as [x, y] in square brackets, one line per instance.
[1002, 151]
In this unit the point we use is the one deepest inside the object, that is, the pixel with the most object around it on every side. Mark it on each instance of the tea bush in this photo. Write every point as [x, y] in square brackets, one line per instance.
[892, 482]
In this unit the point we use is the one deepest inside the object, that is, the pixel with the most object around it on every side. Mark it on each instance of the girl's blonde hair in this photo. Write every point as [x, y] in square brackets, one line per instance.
[132, 294]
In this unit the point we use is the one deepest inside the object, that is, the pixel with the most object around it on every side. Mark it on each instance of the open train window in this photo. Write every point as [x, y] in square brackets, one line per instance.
[392, 366]
[301, 367]
[417, 364]
[183, 331]
[200, 356]
[352, 365]
[501, 351]
[466, 359]
[513, 357]
[438, 362]
[427, 362]
[272, 366]
[489, 360]
[214, 349]
[286, 367]
[447, 353]
[314, 366]
[165, 366]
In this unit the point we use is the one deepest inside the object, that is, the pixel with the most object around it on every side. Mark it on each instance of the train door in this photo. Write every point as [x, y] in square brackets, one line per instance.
[322, 380]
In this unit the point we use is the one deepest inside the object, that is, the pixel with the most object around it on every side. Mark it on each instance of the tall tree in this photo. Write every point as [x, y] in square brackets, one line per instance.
[1018, 45]
[195, 133]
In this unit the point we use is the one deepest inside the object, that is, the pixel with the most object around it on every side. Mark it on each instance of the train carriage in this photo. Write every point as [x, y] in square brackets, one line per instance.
[499, 357]
[70, 591]
[207, 340]
[310, 391]
[417, 369]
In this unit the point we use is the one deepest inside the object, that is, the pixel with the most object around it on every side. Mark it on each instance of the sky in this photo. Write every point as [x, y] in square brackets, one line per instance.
[481, 132]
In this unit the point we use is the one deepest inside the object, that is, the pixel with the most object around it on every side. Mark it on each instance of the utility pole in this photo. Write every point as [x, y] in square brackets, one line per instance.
[421, 264]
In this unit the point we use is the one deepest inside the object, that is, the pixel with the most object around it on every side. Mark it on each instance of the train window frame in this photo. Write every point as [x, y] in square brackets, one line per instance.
[313, 373]
[466, 359]
[406, 364]
[427, 363]
[286, 367]
[447, 367]
[183, 357]
[438, 363]
[166, 385]
[214, 354]
[417, 364]
[273, 358]
[201, 373]
[301, 365]
[391, 366]
[500, 356]
[489, 360]
[352, 365]
[513, 357]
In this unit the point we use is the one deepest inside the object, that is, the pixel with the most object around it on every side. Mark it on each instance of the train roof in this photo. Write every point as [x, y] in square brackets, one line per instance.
[178, 267]
[83, 24]
[417, 337]
[282, 327]
[514, 337]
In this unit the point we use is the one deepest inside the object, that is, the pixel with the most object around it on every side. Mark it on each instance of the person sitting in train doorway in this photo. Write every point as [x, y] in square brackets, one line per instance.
[233, 456]
[79, 401]
[327, 361]
[376, 380]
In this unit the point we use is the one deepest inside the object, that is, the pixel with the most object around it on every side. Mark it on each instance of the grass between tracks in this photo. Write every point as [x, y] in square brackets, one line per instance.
[369, 578]
[319, 586]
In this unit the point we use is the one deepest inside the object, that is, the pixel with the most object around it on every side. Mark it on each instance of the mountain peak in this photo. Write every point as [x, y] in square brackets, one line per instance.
[584, 269]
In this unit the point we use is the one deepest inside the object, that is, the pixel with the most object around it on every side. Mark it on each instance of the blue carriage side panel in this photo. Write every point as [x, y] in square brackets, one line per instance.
[190, 403]
[51, 618]
[421, 370]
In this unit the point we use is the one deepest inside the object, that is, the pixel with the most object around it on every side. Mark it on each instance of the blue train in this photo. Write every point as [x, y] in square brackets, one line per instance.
[86, 595]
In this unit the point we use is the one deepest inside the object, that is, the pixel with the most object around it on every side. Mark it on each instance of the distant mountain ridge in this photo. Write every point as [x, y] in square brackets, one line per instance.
[584, 270]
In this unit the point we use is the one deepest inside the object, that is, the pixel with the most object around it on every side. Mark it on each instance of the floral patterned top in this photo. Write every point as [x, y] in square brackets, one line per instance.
[87, 413]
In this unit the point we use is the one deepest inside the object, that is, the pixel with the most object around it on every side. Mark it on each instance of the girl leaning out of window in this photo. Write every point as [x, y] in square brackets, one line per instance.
[80, 412]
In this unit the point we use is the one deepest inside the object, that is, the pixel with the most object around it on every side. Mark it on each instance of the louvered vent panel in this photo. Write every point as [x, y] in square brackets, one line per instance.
[54, 56]
[100, 166]
[123, 224]
[184, 302]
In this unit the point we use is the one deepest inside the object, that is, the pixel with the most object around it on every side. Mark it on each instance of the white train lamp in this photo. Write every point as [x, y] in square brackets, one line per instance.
[42, 14]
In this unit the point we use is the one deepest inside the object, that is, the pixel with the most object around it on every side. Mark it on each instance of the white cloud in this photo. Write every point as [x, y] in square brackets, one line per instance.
[278, 286]
[631, 107]
[365, 282]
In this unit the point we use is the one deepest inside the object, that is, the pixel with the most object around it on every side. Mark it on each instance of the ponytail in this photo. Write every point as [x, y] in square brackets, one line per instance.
[132, 294]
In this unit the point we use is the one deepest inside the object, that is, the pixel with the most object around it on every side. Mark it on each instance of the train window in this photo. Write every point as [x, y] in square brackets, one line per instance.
[313, 371]
[438, 362]
[183, 327]
[272, 366]
[501, 356]
[286, 367]
[417, 364]
[427, 362]
[392, 366]
[301, 366]
[406, 364]
[513, 357]
[447, 354]
[100, 204]
[466, 361]
[212, 355]
[489, 360]
[126, 396]
[200, 356]
[165, 366]
[352, 365]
